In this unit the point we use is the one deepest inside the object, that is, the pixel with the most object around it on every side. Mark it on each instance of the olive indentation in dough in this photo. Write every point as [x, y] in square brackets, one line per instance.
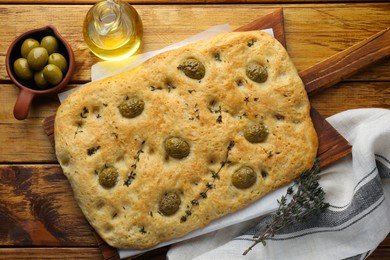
[108, 177]
[169, 204]
[244, 177]
[256, 133]
[256, 72]
[176, 147]
[192, 68]
[131, 107]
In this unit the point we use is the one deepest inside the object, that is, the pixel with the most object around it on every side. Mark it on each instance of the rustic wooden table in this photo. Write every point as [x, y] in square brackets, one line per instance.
[38, 215]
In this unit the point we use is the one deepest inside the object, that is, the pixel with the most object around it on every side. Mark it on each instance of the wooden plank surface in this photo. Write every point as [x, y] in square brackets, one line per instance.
[340, 27]
[347, 62]
[380, 254]
[37, 208]
[352, 95]
[27, 158]
[21, 184]
[184, 1]
[64, 253]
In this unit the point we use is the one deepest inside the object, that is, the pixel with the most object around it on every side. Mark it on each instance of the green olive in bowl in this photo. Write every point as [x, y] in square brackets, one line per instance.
[22, 70]
[28, 88]
[40, 80]
[52, 74]
[58, 60]
[37, 58]
[39, 47]
[50, 43]
[27, 46]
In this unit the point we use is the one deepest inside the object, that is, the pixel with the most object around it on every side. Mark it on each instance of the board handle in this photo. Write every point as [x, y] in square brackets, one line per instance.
[346, 63]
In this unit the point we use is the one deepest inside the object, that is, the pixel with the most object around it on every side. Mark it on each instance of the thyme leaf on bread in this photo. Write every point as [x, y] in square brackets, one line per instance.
[305, 197]
[209, 185]
[131, 175]
[93, 150]
[216, 111]
[84, 113]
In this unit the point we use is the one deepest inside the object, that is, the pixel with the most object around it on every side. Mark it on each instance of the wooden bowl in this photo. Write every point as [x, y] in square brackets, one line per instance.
[28, 89]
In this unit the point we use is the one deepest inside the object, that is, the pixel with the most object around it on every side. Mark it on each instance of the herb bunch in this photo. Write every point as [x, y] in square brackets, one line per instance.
[305, 197]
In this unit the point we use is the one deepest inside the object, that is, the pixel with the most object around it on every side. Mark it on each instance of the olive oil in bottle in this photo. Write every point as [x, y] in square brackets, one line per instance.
[112, 30]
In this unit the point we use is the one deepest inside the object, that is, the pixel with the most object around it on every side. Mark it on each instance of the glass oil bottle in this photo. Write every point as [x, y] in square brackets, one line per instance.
[112, 30]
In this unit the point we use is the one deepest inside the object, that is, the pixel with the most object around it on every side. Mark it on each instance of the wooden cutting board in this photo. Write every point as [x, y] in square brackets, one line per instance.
[332, 146]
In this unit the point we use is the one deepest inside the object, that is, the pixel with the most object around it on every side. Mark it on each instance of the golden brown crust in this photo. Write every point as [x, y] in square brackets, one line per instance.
[210, 114]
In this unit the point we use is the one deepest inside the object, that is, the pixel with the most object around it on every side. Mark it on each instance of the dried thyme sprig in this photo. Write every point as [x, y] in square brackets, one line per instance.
[304, 197]
[214, 110]
[132, 173]
[209, 185]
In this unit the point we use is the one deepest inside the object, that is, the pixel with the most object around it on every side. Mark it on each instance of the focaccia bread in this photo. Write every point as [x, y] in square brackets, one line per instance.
[185, 138]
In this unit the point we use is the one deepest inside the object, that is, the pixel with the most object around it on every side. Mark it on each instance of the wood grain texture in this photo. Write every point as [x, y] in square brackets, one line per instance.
[182, 1]
[27, 178]
[352, 95]
[79, 253]
[337, 28]
[274, 20]
[381, 253]
[37, 208]
[24, 141]
[346, 63]
[331, 145]
[385, 242]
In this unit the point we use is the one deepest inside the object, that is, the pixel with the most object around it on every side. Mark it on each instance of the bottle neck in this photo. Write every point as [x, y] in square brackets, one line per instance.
[107, 16]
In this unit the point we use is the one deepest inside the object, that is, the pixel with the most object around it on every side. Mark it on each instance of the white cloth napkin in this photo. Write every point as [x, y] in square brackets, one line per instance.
[358, 219]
